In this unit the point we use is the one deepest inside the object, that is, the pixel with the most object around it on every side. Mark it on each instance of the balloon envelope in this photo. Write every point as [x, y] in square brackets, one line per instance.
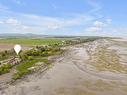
[17, 49]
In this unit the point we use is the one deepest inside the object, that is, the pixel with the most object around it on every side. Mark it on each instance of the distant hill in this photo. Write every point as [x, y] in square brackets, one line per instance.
[30, 35]
[18, 35]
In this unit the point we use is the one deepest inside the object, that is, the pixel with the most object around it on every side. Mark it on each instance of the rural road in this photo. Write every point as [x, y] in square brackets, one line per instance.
[71, 74]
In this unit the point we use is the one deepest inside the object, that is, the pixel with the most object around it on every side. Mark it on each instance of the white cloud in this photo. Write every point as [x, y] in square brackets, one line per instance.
[53, 23]
[13, 21]
[10, 21]
[14, 24]
[93, 29]
[98, 24]
[34, 23]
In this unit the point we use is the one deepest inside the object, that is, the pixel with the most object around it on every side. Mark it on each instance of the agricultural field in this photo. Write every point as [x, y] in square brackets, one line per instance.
[31, 42]
[26, 43]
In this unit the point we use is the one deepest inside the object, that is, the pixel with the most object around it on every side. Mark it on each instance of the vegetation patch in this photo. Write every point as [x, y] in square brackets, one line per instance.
[6, 54]
[5, 68]
[33, 56]
[22, 69]
[29, 41]
[107, 60]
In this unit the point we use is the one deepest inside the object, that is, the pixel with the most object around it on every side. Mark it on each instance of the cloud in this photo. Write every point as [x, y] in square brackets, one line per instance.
[13, 21]
[38, 24]
[14, 24]
[53, 23]
[24, 23]
[93, 29]
[98, 26]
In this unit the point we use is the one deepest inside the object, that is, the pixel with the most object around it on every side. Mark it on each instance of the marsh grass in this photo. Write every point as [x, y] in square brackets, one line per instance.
[107, 60]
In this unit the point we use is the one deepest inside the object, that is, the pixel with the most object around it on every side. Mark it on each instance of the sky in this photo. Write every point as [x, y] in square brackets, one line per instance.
[64, 17]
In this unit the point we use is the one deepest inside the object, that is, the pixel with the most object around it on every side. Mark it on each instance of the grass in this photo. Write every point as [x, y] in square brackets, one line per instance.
[28, 41]
[5, 68]
[23, 70]
[26, 65]
[6, 54]
[42, 59]
[43, 41]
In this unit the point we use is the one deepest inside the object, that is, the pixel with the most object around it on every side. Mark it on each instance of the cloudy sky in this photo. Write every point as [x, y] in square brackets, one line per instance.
[64, 17]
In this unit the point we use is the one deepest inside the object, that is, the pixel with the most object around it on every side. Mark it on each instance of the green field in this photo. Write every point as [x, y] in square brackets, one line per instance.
[28, 41]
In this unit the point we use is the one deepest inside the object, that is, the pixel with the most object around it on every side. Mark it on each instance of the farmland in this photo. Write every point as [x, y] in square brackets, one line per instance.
[26, 43]
[31, 42]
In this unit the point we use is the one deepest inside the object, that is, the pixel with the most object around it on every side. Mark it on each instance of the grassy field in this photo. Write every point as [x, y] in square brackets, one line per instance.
[31, 42]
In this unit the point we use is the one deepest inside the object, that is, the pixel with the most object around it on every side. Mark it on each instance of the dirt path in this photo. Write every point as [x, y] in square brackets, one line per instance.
[71, 75]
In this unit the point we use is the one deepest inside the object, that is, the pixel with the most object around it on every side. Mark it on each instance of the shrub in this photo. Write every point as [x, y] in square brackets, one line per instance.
[23, 56]
[30, 58]
[20, 74]
[22, 69]
[45, 60]
[5, 68]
